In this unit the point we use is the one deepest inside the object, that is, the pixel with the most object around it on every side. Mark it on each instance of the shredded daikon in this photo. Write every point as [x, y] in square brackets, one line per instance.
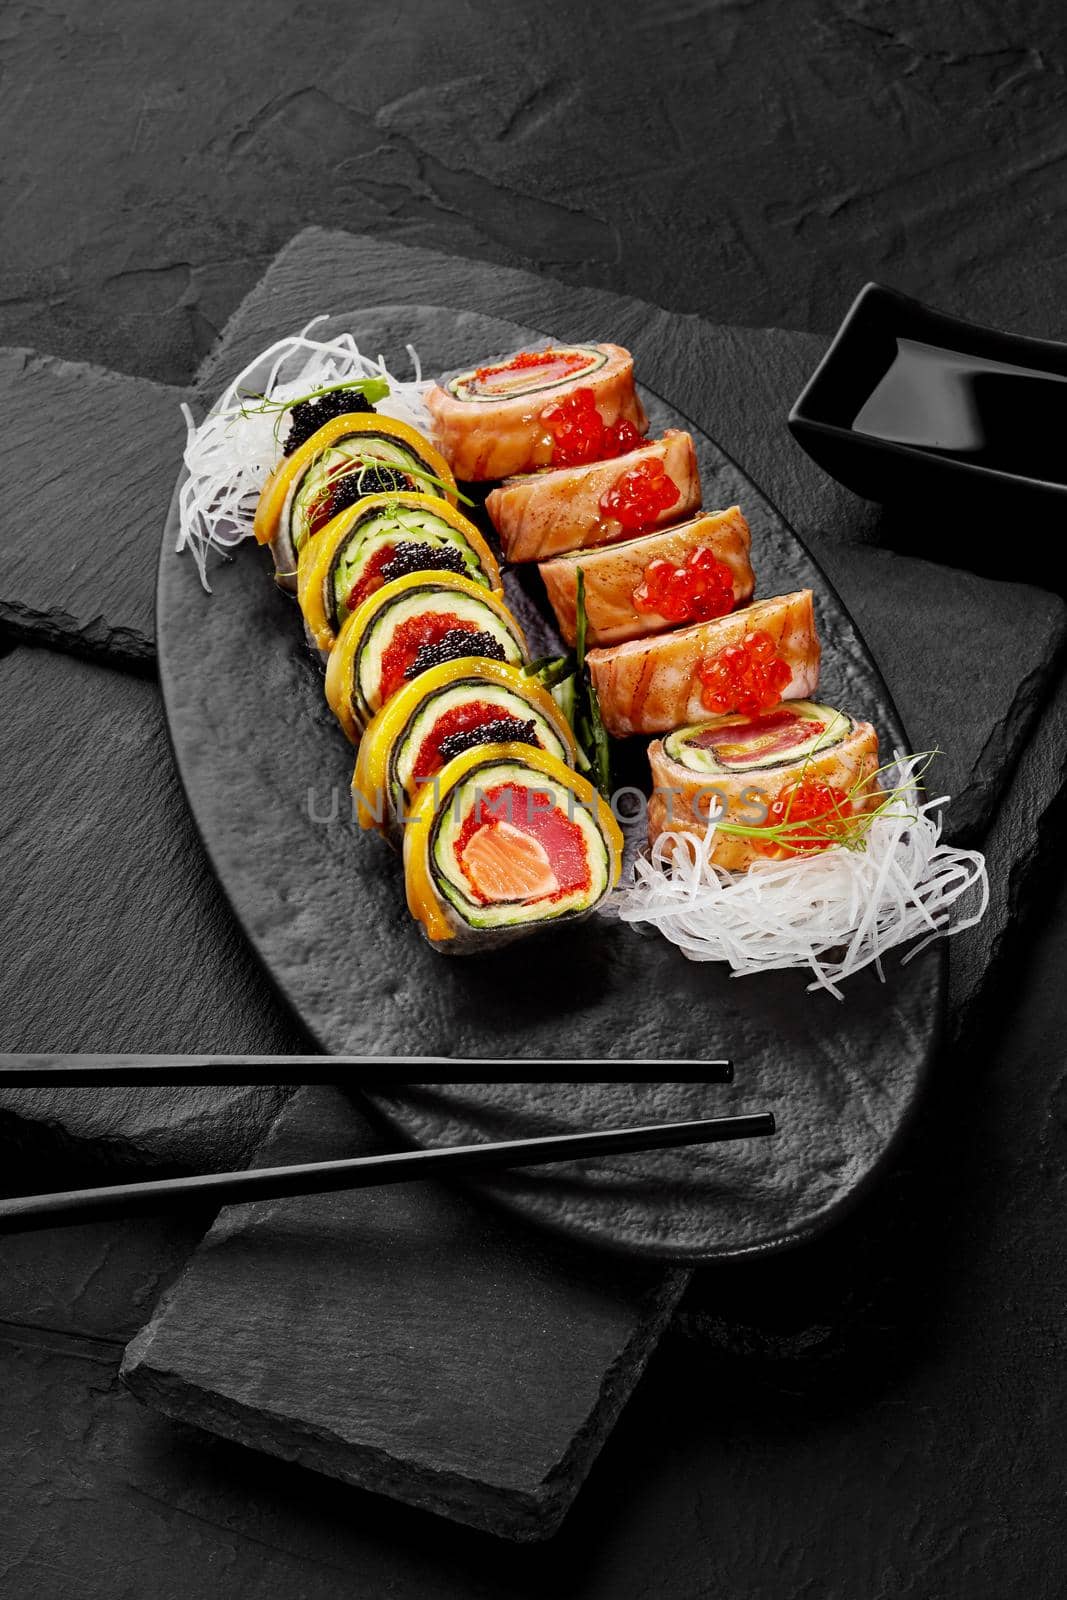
[230, 454]
[834, 912]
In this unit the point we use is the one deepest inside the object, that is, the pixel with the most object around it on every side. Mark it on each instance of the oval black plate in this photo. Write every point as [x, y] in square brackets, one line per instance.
[267, 775]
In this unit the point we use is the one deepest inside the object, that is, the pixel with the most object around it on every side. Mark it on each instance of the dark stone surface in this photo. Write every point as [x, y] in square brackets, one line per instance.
[125, 948]
[842, 1078]
[403, 1339]
[88, 457]
[918, 1452]
[750, 162]
[1028, 833]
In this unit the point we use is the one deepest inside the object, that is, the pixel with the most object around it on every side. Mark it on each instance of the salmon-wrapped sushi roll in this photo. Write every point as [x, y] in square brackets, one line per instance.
[506, 840]
[575, 507]
[350, 456]
[382, 537]
[746, 661]
[441, 714]
[538, 408]
[403, 630]
[740, 767]
[691, 572]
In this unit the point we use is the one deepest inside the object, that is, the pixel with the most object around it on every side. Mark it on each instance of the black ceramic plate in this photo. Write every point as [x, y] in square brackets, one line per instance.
[267, 771]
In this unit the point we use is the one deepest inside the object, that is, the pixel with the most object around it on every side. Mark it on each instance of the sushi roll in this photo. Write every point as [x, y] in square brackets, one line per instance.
[740, 766]
[440, 714]
[506, 840]
[746, 661]
[691, 572]
[572, 508]
[405, 628]
[538, 408]
[382, 537]
[347, 458]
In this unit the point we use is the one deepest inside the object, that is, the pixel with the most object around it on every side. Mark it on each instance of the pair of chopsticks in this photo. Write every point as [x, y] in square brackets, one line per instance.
[25, 1212]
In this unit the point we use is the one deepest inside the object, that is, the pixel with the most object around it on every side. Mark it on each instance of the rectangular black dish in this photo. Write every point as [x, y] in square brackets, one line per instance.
[944, 422]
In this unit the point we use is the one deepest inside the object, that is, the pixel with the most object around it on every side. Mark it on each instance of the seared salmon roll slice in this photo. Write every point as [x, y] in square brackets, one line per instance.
[765, 767]
[694, 571]
[572, 508]
[350, 456]
[553, 407]
[404, 629]
[439, 715]
[507, 840]
[746, 661]
[382, 537]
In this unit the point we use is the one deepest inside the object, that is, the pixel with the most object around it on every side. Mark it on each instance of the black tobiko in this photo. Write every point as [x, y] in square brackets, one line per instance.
[502, 730]
[411, 556]
[453, 646]
[310, 415]
[363, 481]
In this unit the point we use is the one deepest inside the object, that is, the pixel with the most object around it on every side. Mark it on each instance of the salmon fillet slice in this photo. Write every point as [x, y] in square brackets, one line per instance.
[613, 572]
[549, 512]
[652, 685]
[681, 799]
[496, 436]
[502, 863]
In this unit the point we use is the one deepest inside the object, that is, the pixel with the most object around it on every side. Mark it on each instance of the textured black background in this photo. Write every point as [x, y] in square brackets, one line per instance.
[883, 1418]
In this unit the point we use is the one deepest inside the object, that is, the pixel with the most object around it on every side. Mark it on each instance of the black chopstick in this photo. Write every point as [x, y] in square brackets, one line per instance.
[363, 1172]
[125, 1071]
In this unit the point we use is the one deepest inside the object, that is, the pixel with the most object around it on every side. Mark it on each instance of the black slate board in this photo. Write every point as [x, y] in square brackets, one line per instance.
[404, 1339]
[842, 1079]
[73, 537]
[90, 960]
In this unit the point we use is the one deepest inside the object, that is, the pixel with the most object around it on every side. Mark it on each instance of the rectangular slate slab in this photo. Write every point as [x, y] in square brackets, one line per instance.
[408, 1340]
[89, 459]
[115, 934]
[1026, 833]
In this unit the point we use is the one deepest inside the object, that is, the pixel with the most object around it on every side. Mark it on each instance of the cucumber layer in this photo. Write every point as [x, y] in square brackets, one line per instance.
[778, 738]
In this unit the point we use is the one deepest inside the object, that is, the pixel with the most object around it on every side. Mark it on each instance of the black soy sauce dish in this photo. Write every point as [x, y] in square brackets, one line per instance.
[910, 405]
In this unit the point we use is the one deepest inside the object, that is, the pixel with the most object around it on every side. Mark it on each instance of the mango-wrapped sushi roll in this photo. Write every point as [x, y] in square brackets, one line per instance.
[380, 538]
[350, 456]
[508, 840]
[690, 572]
[746, 661]
[404, 629]
[572, 508]
[439, 715]
[802, 763]
[537, 408]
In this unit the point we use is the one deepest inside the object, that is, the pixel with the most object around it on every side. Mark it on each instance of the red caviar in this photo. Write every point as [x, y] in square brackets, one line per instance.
[371, 579]
[320, 509]
[565, 360]
[807, 800]
[701, 588]
[639, 495]
[577, 428]
[579, 434]
[427, 627]
[457, 719]
[748, 677]
[620, 439]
